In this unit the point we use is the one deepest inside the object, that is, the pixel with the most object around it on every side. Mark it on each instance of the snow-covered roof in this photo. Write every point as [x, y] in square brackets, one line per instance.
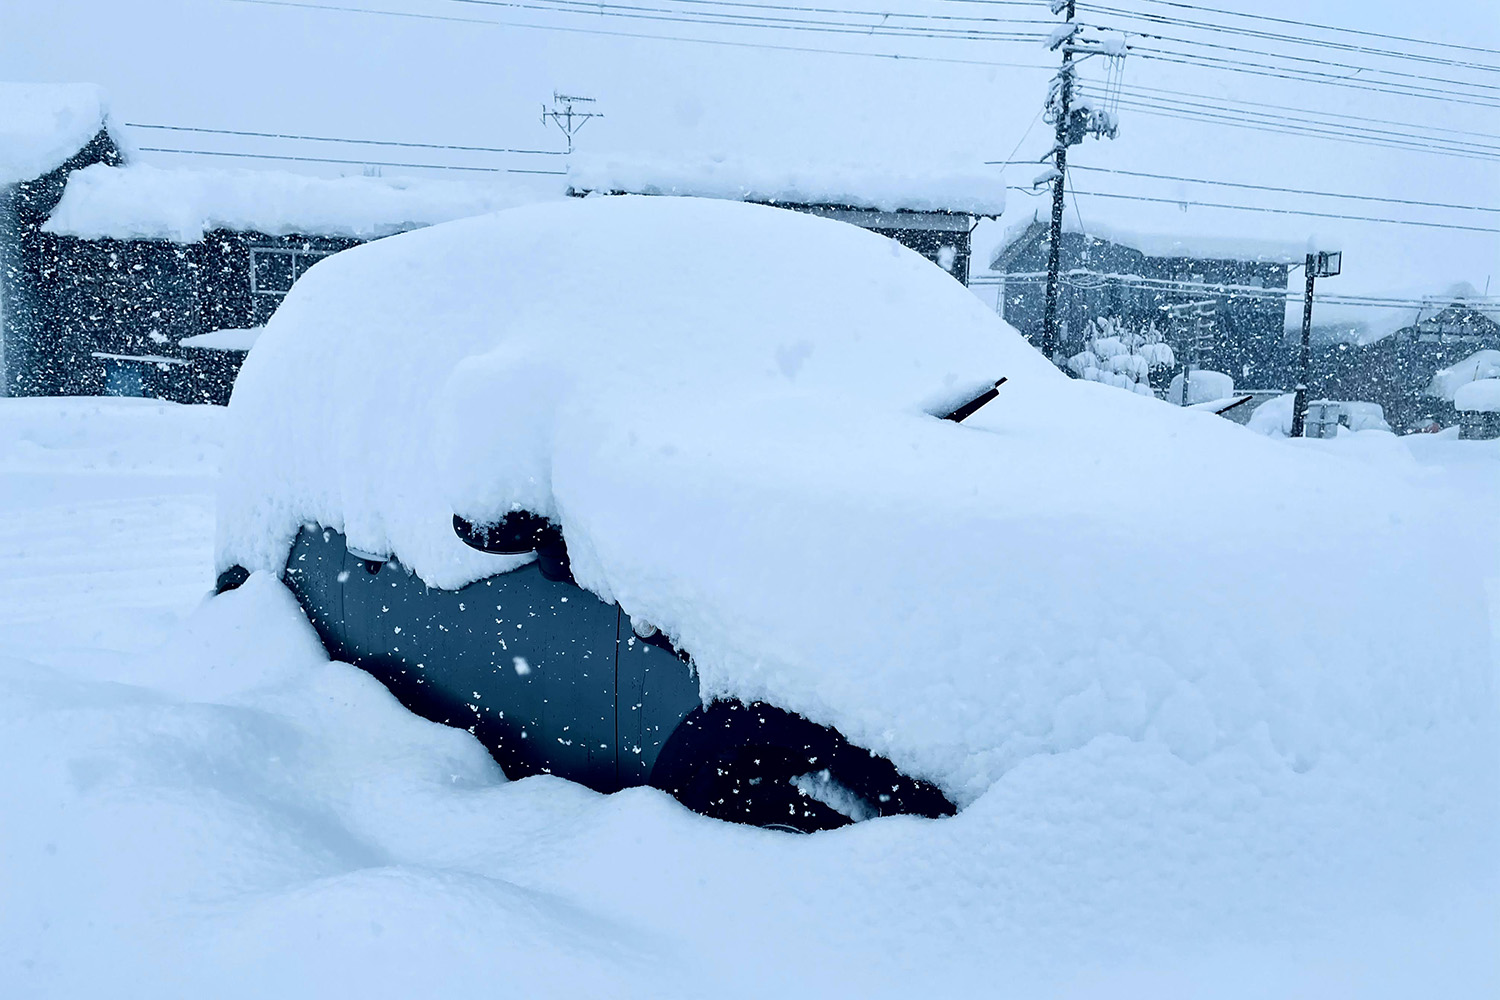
[1481, 395]
[740, 449]
[1480, 365]
[181, 205]
[43, 125]
[971, 192]
[1192, 246]
[223, 340]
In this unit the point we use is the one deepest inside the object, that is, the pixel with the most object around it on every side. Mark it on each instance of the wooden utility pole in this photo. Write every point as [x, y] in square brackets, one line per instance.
[1062, 101]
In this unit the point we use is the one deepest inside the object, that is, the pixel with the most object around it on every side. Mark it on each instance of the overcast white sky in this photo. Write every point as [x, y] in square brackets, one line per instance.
[224, 64]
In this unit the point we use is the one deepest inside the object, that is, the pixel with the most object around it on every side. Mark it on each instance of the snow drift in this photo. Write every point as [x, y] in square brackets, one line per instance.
[727, 408]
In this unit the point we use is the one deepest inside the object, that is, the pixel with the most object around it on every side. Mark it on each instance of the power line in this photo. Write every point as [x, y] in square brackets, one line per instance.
[761, 20]
[359, 142]
[1243, 118]
[1283, 190]
[1288, 211]
[357, 163]
[1265, 35]
[672, 16]
[1311, 59]
[1141, 283]
[1311, 24]
[769, 46]
[1144, 91]
[1310, 76]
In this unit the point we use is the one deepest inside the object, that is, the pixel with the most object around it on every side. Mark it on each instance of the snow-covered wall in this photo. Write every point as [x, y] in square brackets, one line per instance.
[42, 125]
[146, 202]
[974, 192]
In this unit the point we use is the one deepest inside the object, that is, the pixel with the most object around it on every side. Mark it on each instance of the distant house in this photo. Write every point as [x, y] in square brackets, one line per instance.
[933, 213]
[1404, 370]
[1228, 294]
[112, 273]
[146, 261]
[46, 133]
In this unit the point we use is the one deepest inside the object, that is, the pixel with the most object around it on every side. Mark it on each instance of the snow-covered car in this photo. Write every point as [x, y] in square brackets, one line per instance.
[658, 491]
[554, 674]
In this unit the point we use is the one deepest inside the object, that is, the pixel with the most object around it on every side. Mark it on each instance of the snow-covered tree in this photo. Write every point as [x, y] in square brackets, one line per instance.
[1121, 356]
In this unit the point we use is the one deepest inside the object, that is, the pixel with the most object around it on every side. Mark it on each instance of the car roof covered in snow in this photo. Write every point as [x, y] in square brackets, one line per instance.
[181, 205]
[943, 190]
[43, 124]
[729, 410]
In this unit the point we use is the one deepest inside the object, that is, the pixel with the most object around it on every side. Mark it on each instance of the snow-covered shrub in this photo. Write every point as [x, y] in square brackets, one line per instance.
[1120, 356]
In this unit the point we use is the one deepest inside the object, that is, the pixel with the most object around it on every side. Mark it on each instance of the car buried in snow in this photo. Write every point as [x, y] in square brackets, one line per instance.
[407, 476]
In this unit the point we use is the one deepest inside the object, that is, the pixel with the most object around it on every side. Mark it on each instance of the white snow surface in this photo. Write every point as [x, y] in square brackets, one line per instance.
[223, 340]
[736, 447]
[181, 205]
[198, 803]
[1479, 365]
[43, 125]
[1481, 395]
[939, 189]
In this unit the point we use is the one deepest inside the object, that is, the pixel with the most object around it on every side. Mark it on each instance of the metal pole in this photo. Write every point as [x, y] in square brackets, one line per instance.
[1060, 161]
[1299, 405]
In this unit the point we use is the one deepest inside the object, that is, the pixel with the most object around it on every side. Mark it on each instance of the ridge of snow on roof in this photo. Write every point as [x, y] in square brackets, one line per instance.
[1192, 246]
[42, 125]
[971, 192]
[181, 205]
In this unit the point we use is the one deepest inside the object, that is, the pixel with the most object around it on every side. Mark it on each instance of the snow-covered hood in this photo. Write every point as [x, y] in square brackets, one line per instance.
[728, 409]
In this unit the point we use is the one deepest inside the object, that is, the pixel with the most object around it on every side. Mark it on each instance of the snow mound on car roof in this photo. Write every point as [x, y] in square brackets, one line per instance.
[727, 407]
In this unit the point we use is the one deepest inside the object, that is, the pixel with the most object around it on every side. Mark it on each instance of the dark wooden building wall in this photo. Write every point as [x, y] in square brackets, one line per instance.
[119, 309]
[27, 274]
[1249, 329]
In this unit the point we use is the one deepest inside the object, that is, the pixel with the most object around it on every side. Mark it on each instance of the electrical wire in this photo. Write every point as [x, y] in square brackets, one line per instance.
[358, 142]
[357, 163]
[1288, 211]
[1284, 190]
[1265, 35]
[1308, 24]
[571, 29]
[1415, 145]
[1309, 76]
[1309, 126]
[692, 16]
[1141, 90]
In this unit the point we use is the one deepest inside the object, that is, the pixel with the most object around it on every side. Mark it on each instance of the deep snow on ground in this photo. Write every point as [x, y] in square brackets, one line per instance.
[196, 802]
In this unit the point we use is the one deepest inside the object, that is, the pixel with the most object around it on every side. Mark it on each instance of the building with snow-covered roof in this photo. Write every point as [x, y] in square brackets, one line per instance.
[1138, 278]
[932, 212]
[46, 133]
[128, 266]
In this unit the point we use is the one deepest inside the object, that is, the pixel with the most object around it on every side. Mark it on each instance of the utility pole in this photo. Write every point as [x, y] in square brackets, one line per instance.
[562, 115]
[1317, 265]
[1072, 123]
[1060, 100]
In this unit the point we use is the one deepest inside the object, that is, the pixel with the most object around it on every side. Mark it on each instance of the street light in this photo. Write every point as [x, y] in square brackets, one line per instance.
[1323, 264]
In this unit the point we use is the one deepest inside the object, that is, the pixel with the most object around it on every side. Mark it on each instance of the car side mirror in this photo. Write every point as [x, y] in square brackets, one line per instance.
[515, 534]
